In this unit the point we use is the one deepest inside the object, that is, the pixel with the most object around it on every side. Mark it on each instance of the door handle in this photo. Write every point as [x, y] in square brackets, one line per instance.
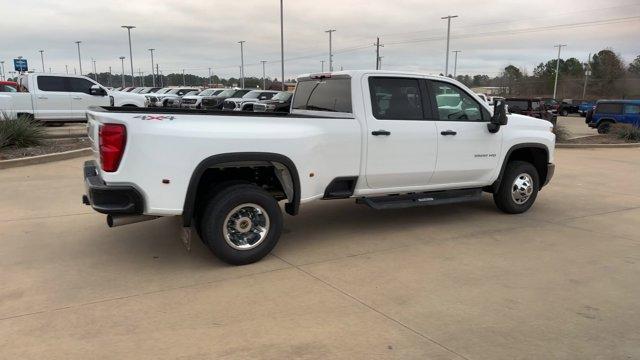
[42, 97]
[77, 98]
[381, 132]
[448, 132]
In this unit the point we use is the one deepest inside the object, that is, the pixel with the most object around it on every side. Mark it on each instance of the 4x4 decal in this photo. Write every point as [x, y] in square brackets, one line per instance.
[154, 117]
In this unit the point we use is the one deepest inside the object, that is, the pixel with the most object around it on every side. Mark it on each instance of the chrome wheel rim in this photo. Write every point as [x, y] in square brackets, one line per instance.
[522, 188]
[246, 226]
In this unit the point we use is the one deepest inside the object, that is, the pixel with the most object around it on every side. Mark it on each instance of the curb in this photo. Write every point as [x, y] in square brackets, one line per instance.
[597, 146]
[42, 159]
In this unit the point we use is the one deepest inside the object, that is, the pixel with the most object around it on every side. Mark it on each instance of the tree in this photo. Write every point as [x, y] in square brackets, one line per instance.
[607, 66]
[511, 76]
[634, 67]
[572, 67]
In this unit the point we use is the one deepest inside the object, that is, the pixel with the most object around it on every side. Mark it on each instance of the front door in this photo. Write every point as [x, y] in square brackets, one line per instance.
[632, 114]
[81, 97]
[467, 152]
[401, 140]
[51, 101]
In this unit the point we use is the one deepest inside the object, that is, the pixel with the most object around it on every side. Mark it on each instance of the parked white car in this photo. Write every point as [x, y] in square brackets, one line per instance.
[387, 139]
[164, 98]
[52, 97]
[250, 97]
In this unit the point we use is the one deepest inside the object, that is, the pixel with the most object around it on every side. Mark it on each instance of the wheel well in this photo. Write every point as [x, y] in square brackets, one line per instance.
[535, 155]
[274, 173]
[606, 120]
[129, 105]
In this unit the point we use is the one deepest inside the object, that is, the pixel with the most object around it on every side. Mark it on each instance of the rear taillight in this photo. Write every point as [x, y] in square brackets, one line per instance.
[113, 138]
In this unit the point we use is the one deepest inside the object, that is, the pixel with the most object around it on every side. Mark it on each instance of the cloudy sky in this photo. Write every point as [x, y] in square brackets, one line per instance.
[195, 35]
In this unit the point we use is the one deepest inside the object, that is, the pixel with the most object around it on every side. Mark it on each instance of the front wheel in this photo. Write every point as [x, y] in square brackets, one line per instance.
[241, 224]
[564, 113]
[518, 189]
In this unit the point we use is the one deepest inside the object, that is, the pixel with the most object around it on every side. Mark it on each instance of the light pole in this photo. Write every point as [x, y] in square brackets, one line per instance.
[446, 67]
[241, 63]
[153, 73]
[66, 68]
[79, 57]
[95, 70]
[129, 27]
[587, 72]
[110, 74]
[122, 62]
[42, 58]
[322, 65]
[183, 79]
[264, 79]
[330, 31]
[2, 75]
[455, 62]
[210, 77]
[282, 43]
[555, 84]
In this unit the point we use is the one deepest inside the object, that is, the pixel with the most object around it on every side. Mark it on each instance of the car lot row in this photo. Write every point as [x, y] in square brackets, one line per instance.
[191, 97]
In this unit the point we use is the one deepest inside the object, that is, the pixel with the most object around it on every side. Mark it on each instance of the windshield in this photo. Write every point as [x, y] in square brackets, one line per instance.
[163, 91]
[282, 96]
[227, 93]
[518, 104]
[252, 94]
[208, 92]
[173, 91]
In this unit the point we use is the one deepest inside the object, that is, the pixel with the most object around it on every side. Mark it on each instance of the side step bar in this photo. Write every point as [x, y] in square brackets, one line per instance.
[421, 199]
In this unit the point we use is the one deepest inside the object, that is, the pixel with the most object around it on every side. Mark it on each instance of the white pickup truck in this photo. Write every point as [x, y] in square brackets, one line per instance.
[57, 98]
[387, 139]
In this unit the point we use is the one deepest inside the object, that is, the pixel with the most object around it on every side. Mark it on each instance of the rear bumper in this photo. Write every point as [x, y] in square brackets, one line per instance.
[551, 168]
[109, 199]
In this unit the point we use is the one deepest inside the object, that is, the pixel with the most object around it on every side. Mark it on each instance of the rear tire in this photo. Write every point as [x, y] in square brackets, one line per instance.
[604, 127]
[518, 189]
[564, 113]
[241, 224]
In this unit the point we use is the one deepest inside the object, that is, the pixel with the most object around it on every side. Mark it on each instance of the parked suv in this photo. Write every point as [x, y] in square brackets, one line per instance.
[609, 112]
[531, 107]
[215, 102]
[281, 102]
[246, 102]
[195, 101]
[569, 106]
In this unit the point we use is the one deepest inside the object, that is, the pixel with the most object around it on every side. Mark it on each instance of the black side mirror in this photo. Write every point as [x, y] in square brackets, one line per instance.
[499, 117]
[97, 91]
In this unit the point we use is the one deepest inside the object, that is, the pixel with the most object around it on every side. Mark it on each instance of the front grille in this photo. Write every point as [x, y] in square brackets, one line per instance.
[152, 99]
[259, 107]
[209, 102]
[229, 105]
[189, 101]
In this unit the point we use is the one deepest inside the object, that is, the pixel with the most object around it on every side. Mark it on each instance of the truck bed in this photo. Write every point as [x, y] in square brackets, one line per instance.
[177, 111]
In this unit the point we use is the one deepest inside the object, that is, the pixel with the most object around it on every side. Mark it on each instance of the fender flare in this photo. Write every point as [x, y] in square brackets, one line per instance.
[496, 184]
[605, 119]
[292, 207]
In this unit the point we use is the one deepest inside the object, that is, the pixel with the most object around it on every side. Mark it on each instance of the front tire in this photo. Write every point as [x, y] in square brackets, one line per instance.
[518, 189]
[241, 224]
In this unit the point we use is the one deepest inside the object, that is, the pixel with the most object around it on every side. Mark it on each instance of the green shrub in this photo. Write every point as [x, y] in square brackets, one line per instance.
[562, 134]
[20, 132]
[626, 132]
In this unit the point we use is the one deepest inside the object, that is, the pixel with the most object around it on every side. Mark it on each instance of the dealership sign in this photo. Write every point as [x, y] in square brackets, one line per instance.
[20, 65]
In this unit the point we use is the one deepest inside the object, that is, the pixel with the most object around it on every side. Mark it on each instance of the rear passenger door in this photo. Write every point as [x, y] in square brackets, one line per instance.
[52, 101]
[401, 139]
[467, 152]
[81, 97]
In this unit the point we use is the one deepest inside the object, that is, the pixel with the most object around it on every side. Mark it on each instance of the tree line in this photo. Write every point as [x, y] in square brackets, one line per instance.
[608, 77]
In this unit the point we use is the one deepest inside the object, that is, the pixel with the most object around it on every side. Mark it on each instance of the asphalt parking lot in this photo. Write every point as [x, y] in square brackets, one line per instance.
[452, 282]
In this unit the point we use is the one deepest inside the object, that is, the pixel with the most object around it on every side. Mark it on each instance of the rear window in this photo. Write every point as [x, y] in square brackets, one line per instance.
[609, 108]
[518, 104]
[323, 95]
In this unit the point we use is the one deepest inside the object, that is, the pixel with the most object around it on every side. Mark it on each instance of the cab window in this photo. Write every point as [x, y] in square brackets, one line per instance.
[52, 83]
[396, 98]
[631, 109]
[80, 85]
[454, 104]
